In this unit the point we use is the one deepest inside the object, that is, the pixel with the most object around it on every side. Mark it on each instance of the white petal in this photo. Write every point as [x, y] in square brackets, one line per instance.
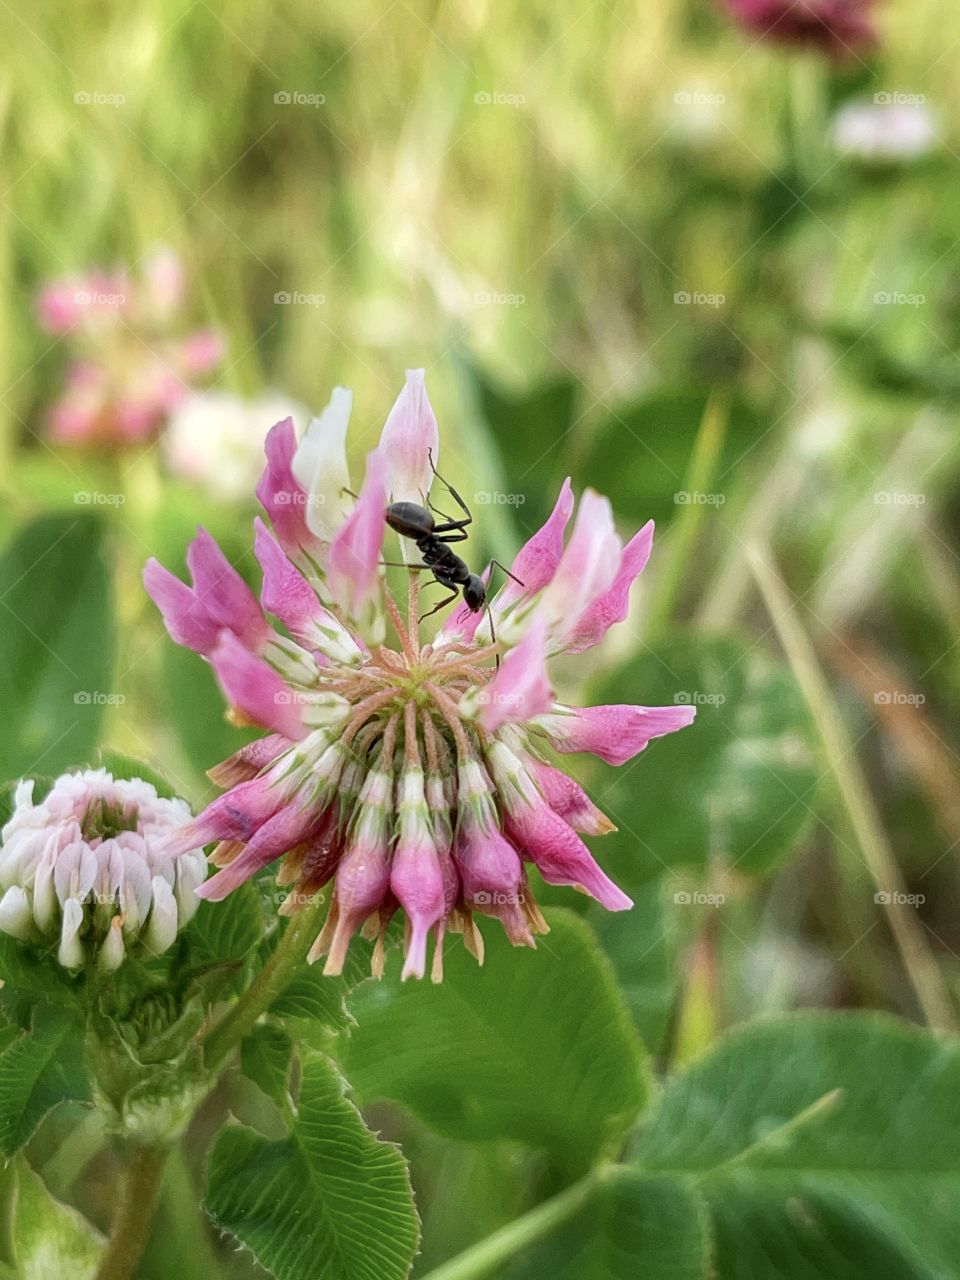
[71, 954]
[161, 928]
[16, 914]
[320, 466]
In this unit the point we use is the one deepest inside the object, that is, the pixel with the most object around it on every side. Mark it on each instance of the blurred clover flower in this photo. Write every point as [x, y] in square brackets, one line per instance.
[90, 864]
[215, 440]
[840, 27]
[417, 777]
[128, 368]
[884, 132]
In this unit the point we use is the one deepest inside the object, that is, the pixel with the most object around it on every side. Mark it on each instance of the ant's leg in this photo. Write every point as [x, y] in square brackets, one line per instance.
[452, 532]
[398, 564]
[453, 494]
[508, 573]
[493, 634]
[443, 603]
[344, 489]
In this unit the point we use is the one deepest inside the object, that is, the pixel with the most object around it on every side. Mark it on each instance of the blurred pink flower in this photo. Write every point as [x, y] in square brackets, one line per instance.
[129, 370]
[841, 27]
[415, 778]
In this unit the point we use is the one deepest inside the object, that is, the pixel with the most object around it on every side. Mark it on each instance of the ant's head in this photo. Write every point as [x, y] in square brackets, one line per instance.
[474, 593]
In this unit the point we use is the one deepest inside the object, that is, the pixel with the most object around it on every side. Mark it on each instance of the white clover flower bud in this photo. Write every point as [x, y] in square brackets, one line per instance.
[93, 865]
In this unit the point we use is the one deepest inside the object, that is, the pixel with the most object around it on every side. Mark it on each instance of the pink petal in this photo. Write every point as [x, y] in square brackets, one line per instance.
[353, 563]
[188, 621]
[409, 436]
[281, 497]
[285, 592]
[417, 882]
[222, 591]
[520, 690]
[201, 352]
[612, 606]
[236, 815]
[614, 733]
[560, 855]
[57, 306]
[255, 689]
[280, 833]
[536, 561]
[164, 280]
[588, 565]
[249, 760]
[567, 798]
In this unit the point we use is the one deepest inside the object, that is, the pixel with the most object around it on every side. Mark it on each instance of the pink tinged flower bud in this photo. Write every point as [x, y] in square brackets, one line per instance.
[611, 607]
[560, 855]
[282, 497]
[410, 436]
[416, 875]
[113, 952]
[615, 733]
[16, 914]
[255, 689]
[190, 873]
[319, 465]
[288, 596]
[161, 927]
[568, 799]
[519, 690]
[70, 953]
[353, 561]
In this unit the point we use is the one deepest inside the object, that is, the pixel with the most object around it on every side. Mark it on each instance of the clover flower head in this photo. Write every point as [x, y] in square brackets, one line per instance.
[129, 367]
[839, 27]
[417, 777]
[88, 868]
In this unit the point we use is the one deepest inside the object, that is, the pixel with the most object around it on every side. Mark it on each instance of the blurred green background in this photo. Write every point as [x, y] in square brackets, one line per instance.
[625, 243]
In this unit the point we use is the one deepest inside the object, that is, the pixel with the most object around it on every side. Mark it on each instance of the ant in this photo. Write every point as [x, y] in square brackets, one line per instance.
[417, 523]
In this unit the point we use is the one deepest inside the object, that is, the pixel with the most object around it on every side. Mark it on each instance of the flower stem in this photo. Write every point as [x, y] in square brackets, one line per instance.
[131, 1227]
[921, 967]
[291, 952]
[490, 1255]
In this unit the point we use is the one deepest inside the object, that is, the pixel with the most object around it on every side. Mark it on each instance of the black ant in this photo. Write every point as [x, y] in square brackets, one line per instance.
[417, 523]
